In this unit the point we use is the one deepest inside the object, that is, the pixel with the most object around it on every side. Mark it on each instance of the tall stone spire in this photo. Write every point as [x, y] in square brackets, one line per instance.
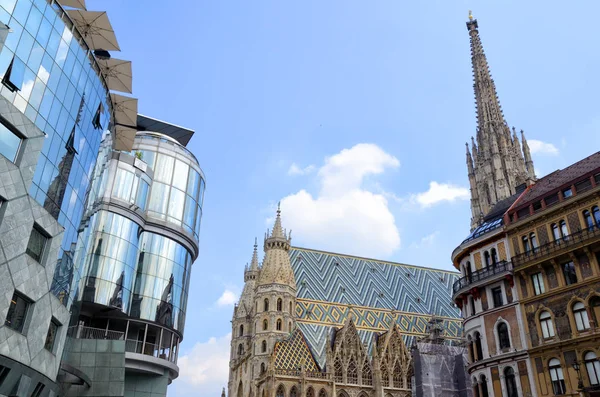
[528, 160]
[497, 165]
[276, 267]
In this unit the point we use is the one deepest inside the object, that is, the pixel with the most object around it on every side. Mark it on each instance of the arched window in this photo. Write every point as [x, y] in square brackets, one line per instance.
[290, 326]
[267, 306]
[263, 369]
[503, 338]
[265, 325]
[290, 307]
[581, 316]
[385, 378]
[472, 305]
[294, 392]
[397, 375]
[337, 368]
[240, 349]
[555, 232]
[595, 309]
[278, 324]
[486, 256]
[478, 347]
[494, 256]
[367, 375]
[242, 330]
[556, 375]
[596, 213]
[526, 245]
[546, 324]
[240, 392]
[352, 375]
[322, 393]
[279, 305]
[469, 271]
[563, 228]
[592, 365]
[280, 391]
[484, 386]
[471, 349]
[511, 383]
[533, 239]
[310, 392]
[589, 222]
[264, 347]
[475, 388]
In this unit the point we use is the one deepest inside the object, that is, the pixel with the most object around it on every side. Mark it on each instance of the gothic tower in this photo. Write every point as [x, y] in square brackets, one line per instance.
[264, 314]
[496, 163]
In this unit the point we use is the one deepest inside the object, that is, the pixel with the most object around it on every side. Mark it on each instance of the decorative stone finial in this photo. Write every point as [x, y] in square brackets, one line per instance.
[470, 15]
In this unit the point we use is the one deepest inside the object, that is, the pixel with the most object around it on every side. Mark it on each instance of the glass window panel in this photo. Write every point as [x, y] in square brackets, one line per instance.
[4, 16]
[6, 57]
[53, 44]
[193, 183]
[28, 81]
[34, 21]
[9, 143]
[189, 214]
[25, 45]
[142, 195]
[43, 34]
[8, 5]
[35, 59]
[16, 75]
[17, 313]
[123, 183]
[164, 168]
[12, 40]
[158, 198]
[176, 204]
[37, 94]
[22, 11]
[61, 54]
[180, 175]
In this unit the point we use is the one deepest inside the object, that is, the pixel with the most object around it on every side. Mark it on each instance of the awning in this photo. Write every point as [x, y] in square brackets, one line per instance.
[95, 28]
[73, 3]
[124, 137]
[125, 109]
[117, 73]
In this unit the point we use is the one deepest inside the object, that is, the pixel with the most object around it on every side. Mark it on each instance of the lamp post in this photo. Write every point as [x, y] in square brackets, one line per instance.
[577, 368]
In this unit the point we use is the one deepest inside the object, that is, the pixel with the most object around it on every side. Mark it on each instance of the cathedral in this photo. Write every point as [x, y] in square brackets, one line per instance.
[316, 324]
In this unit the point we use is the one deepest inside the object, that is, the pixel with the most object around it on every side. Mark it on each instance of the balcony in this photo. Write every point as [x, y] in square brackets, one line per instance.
[572, 241]
[480, 275]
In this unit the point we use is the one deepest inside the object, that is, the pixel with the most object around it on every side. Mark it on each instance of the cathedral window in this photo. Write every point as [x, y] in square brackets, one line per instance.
[367, 375]
[337, 367]
[279, 305]
[310, 392]
[397, 375]
[263, 369]
[280, 391]
[322, 393]
[503, 338]
[352, 374]
[266, 305]
[385, 379]
[264, 346]
[290, 307]
[242, 330]
[265, 325]
[278, 324]
[294, 392]
[240, 349]
[290, 326]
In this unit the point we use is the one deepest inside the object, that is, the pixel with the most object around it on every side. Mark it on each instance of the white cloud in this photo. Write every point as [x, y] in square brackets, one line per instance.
[228, 298]
[539, 147]
[439, 192]
[343, 215]
[204, 370]
[296, 170]
[426, 242]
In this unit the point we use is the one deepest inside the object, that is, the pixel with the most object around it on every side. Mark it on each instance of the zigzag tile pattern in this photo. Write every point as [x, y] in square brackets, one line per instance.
[333, 286]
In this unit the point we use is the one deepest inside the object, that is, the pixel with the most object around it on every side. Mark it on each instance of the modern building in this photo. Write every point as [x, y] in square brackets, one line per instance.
[54, 107]
[140, 235]
[554, 232]
[530, 285]
[315, 324]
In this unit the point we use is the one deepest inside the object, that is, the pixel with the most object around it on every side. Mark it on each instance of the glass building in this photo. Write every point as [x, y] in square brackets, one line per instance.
[139, 238]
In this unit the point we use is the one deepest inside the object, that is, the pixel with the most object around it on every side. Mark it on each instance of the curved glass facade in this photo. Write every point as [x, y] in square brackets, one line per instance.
[141, 232]
[53, 81]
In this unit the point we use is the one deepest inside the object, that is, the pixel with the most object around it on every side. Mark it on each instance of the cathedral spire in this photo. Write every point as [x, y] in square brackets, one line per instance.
[496, 166]
[254, 262]
[276, 268]
[528, 160]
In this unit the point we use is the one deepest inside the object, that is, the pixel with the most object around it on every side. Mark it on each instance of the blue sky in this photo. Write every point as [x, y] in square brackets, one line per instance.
[354, 114]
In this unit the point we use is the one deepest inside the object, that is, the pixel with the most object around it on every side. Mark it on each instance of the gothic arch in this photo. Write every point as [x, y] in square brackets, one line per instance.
[322, 393]
[367, 374]
[338, 370]
[310, 392]
[240, 391]
[385, 377]
[293, 392]
[352, 372]
[397, 376]
[280, 391]
[342, 393]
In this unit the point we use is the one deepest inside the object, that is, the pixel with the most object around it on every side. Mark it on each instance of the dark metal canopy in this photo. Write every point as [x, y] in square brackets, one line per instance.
[180, 134]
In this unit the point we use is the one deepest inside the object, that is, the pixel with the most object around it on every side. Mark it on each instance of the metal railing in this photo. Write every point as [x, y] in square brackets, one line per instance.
[554, 246]
[80, 332]
[481, 274]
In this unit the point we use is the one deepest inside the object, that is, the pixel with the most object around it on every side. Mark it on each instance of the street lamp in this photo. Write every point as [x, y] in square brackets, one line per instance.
[577, 368]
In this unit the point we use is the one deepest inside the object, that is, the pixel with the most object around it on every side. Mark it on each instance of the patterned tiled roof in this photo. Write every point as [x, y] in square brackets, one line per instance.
[377, 293]
[293, 352]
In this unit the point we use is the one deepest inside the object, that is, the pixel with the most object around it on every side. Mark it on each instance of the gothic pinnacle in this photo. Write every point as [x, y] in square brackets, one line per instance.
[254, 262]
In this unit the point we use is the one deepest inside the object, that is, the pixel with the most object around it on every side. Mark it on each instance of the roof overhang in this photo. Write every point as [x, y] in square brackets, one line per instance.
[180, 134]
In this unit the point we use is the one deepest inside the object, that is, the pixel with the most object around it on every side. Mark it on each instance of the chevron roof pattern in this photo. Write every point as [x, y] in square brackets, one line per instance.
[293, 353]
[376, 293]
